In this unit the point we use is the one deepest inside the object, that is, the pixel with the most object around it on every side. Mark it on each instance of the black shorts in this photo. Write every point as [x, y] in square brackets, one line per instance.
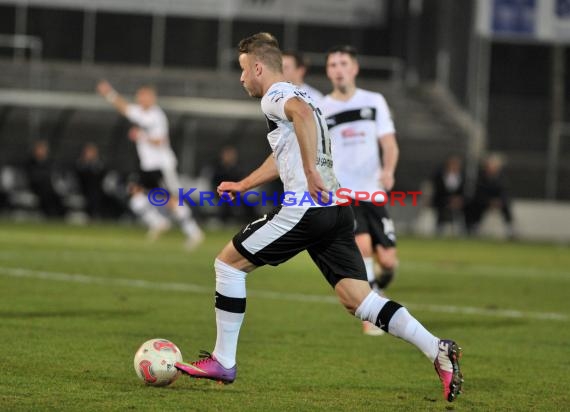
[327, 233]
[374, 220]
[150, 179]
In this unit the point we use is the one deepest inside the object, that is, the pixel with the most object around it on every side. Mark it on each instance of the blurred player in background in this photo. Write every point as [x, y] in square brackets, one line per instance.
[301, 156]
[448, 197]
[491, 192]
[295, 69]
[359, 121]
[90, 173]
[40, 173]
[157, 162]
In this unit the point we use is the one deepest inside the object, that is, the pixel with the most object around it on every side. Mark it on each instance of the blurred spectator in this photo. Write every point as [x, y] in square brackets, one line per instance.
[294, 70]
[39, 170]
[448, 194]
[228, 170]
[490, 193]
[3, 200]
[90, 172]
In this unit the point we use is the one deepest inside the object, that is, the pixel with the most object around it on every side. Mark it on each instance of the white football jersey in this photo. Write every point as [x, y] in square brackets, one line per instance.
[313, 93]
[283, 141]
[153, 124]
[355, 126]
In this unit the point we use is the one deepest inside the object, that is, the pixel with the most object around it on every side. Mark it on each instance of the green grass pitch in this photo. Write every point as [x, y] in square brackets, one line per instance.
[76, 302]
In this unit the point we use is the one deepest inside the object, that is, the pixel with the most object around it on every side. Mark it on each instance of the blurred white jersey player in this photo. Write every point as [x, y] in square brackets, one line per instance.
[360, 123]
[157, 162]
[294, 70]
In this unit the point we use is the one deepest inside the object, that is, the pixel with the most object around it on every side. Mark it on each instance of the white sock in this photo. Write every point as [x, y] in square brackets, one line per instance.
[370, 307]
[396, 320]
[188, 225]
[228, 326]
[405, 326]
[230, 311]
[141, 207]
[370, 275]
[190, 228]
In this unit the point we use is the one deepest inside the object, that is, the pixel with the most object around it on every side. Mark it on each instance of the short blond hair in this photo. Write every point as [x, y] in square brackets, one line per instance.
[265, 47]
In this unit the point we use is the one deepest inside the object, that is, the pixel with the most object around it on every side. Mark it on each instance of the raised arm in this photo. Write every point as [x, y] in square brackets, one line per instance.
[105, 89]
[303, 120]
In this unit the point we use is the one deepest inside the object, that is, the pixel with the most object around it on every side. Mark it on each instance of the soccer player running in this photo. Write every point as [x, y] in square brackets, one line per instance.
[157, 162]
[294, 70]
[359, 121]
[301, 156]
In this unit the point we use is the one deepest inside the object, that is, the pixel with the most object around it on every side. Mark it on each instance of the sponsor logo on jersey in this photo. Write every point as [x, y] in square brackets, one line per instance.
[350, 132]
[276, 95]
[366, 113]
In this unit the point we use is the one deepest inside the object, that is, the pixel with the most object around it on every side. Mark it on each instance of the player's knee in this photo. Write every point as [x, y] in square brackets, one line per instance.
[351, 293]
[365, 251]
[350, 303]
[227, 271]
[388, 263]
[388, 259]
[364, 245]
[224, 258]
[350, 307]
[230, 256]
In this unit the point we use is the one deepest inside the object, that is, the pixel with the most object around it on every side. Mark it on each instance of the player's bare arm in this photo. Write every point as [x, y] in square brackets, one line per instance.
[265, 173]
[303, 120]
[390, 154]
[105, 89]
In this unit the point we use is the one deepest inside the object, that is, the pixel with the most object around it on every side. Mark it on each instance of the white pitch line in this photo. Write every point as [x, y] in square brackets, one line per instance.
[409, 266]
[264, 294]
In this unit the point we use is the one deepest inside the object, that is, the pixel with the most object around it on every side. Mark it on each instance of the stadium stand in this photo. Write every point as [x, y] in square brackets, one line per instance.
[71, 118]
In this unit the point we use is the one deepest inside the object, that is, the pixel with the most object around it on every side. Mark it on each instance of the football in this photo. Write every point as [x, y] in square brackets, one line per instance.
[154, 362]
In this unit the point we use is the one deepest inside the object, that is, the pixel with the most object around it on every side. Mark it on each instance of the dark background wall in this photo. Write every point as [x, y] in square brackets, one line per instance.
[520, 80]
